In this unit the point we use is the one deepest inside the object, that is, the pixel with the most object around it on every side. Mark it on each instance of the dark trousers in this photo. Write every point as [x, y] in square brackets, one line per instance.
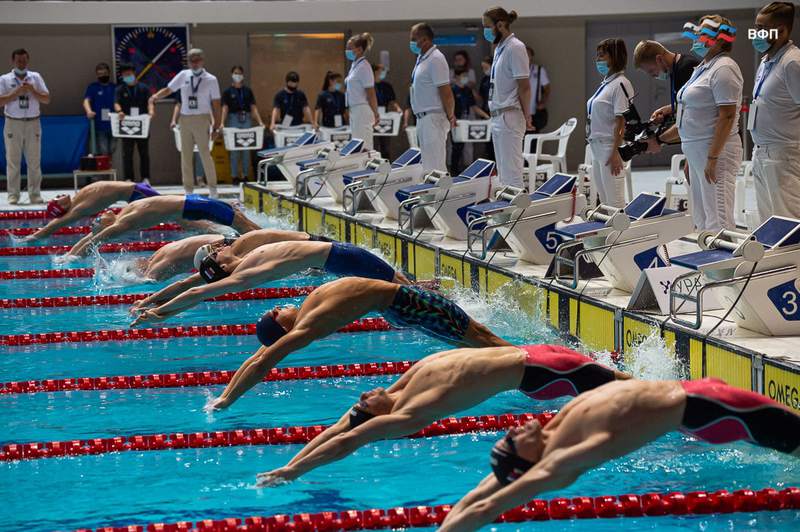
[127, 158]
[382, 145]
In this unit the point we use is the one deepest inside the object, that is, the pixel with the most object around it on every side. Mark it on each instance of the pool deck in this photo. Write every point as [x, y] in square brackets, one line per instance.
[768, 365]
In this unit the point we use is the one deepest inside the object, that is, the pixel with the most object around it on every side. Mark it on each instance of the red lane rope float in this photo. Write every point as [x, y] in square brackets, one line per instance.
[35, 214]
[117, 335]
[105, 248]
[241, 437]
[129, 299]
[606, 506]
[202, 378]
[81, 230]
[47, 274]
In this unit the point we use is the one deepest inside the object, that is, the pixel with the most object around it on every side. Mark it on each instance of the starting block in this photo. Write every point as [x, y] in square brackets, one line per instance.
[620, 242]
[756, 273]
[329, 165]
[380, 181]
[527, 222]
[286, 158]
[444, 199]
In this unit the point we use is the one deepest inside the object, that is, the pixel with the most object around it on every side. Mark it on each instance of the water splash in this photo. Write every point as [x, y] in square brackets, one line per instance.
[272, 222]
[652, 359]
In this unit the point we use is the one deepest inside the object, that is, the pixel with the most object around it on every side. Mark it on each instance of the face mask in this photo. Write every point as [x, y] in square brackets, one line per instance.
[337, 86]
[662, 76]
[602, 67]
[129, 79]
[382, 75]
[463, 80]
[20, 71]
[699, 49]
[103, 79]
[197, 71]
[237, 78]
[488, 34]
[761, 45]
[350, 55]
[291, 85]
[486, 71]
[414, 47]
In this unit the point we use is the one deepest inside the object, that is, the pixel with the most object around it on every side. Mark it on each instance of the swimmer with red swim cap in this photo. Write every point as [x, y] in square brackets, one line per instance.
[89, 201]
[612, 421]
[442, 384]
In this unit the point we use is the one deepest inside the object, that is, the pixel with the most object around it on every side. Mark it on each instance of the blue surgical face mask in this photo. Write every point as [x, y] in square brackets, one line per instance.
[197, 71]
[602, 67]
[20, 71]
[761, 45]
[414, 47]
[350, 55]
[130, 79]
[488, 34]
[382, 75]
[699, 49]
[337, 86]
[662, 76]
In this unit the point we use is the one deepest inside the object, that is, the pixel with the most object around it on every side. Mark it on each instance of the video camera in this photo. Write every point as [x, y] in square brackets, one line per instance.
[637, 132]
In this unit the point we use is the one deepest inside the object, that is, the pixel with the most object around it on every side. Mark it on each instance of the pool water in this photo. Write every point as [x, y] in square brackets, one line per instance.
[164, 486]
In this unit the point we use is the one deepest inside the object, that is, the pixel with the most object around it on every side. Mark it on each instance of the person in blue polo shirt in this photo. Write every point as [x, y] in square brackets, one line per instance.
[98, 102]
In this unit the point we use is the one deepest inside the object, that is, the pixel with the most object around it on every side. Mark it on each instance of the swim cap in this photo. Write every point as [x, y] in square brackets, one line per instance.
[358, 416]
[211, 271]
[54, 209]
[268, 330]
[201, 253]
[508, 466]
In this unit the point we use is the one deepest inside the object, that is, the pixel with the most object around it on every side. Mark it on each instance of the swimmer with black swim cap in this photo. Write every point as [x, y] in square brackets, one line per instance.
[614, 420]
[442, 384]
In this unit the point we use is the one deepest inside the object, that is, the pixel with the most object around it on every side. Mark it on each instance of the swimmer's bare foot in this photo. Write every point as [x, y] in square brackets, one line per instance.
[276, 477]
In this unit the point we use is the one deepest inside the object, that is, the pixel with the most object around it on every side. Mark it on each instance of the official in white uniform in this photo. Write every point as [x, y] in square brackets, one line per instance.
[509, 95]
[200, 118]
[431, 98]
[774, 119]
[707, 123]
[22, 92]
[606, 124]
[360, 94]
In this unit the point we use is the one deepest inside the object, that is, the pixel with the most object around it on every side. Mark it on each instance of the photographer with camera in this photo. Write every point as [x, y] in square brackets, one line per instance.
[605, 123]
[654, 59]
[707, 124]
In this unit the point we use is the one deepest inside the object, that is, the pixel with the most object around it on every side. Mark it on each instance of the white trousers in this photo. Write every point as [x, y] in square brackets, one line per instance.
[194, 131]
[610, 188]
[776, 176]
[432, 132]
[23, 137]
[361, 121]
[712, 203]
[508, 131]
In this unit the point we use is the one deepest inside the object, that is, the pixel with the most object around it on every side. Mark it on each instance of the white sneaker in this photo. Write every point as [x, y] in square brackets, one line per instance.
[35, 200]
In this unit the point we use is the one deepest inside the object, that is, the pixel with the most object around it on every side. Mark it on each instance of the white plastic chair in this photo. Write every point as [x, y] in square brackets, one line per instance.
[744, 185]
[585, 182]
[676, 178]
[556, 162]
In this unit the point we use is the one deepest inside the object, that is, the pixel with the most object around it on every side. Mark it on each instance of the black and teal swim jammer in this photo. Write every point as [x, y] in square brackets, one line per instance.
[428, 311]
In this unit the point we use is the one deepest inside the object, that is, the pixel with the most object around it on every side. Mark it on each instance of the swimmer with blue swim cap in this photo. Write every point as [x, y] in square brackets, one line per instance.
[185, 254]
[612, 421]
[284, 330]
[441, 385]
[191, 211]
[224, 271]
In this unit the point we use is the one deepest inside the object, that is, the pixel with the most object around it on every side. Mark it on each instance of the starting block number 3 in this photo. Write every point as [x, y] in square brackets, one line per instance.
[786, 299]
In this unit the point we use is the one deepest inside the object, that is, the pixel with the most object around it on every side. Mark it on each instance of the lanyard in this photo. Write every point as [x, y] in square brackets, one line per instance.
[240, 98]
[763, 74]
[497, 53]
[672, 91]
[600, 90]
[420, 59]
[355, 64]
[696, 74]
[199, 81]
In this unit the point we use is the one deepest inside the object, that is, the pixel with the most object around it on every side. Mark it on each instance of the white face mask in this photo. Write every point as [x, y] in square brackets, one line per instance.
[237, 78]
[197, 71]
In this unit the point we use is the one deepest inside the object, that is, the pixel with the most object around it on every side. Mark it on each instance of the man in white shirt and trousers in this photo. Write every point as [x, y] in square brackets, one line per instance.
[200, 118]
[21, 93]
[509, 95]
[431, 98]
[774, 118]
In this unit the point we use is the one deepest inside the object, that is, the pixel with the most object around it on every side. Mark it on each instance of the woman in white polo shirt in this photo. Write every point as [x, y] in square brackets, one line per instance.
[360, 81]
[707, 123]
[605, 124]
[509, 94]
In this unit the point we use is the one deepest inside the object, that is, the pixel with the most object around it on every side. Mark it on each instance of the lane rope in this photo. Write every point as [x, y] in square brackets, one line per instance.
[81, 230]
[58, 250]
[39, 214]
[72, 273]
[119, 335]
[130, 299]
[243, 437]
[605, 506]
[202, 378]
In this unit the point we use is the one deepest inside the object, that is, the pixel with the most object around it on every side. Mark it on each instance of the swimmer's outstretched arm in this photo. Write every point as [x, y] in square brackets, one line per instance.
[558, 469]
[192, 297]
[117, 228]
[334, 430]
[55, 224]
[168, 292]
[342, 445]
